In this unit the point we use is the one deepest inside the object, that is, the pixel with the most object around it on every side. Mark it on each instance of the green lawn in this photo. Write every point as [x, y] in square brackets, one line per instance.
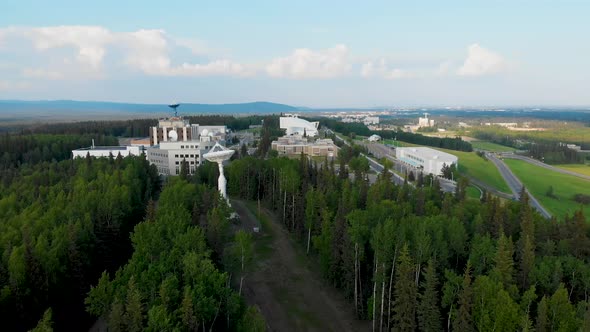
[489, 146]
[473, 192]
[538, 180]
[482, 169]
[578, 168]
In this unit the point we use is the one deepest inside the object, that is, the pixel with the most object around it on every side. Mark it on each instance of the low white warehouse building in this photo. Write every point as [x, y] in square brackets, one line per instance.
[431, 161]
[106, 151]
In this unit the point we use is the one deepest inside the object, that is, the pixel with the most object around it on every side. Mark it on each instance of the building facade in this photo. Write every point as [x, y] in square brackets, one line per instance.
[178, 129]
[428, 160]
[175, 140]
[168, 156]
[295, 145]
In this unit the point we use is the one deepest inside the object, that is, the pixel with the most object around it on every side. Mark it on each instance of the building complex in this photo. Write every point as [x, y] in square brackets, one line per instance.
[296, 126]
[295, 145]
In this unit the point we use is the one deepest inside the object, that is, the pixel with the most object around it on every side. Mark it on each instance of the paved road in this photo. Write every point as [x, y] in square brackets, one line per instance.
[542, 164]
[515, 184]
[381, 150]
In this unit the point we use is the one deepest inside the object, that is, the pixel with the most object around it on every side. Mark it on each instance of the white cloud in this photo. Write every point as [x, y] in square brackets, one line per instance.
[306, 63]
[481, 61]
[42, 74]
[381, 69]
[444, 68]
[146, 50]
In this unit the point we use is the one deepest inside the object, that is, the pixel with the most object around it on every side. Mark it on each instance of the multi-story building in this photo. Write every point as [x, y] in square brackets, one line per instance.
[175, 140]
[295, 145]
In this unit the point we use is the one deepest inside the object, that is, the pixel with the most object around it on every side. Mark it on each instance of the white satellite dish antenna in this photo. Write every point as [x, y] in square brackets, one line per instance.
[173, 135]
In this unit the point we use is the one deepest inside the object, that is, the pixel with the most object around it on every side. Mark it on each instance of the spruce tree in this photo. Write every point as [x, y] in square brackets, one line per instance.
[404, 306]
[542, 324]
[428, 307]
[133, 308]
[464, 320]
[504, 269]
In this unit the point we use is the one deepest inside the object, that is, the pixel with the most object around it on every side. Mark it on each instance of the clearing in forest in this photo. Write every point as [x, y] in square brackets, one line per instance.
[290, 296]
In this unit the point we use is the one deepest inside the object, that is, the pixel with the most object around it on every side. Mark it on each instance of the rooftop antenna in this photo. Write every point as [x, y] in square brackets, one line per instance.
[174, 106]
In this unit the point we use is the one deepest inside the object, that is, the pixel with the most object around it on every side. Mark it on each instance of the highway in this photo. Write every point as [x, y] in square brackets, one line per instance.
[515, 184]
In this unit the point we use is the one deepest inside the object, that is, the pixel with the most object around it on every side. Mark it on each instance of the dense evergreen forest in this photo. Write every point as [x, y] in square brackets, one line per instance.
[416, 259]
[17, 149]
[360, 129]
[171, 282]
[62, 224]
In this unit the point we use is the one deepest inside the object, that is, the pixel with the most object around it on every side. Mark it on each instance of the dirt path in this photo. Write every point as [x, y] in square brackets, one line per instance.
[289, 295]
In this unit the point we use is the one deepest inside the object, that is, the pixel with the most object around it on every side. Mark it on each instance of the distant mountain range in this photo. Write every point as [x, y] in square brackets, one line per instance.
[27, 109]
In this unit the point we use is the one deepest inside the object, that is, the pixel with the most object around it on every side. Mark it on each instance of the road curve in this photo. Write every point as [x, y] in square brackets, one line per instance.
[515, 184]
[547, 166]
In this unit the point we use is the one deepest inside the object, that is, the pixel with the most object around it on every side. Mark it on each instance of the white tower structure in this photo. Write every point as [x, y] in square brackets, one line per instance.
[218, 154]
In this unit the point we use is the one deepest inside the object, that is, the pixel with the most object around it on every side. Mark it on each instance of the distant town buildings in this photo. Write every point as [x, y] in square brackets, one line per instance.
[296, 126]
[297, 144]
[430, 161]
[425, 121]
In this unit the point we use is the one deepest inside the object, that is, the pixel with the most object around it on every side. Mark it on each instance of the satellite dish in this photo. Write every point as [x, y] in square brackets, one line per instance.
[205, 132]
[173, 135]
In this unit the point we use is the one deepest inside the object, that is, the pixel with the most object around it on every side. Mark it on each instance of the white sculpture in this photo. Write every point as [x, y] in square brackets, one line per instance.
[218, 154]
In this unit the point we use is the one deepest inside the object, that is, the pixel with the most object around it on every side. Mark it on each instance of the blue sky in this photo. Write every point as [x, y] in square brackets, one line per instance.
[306, 53]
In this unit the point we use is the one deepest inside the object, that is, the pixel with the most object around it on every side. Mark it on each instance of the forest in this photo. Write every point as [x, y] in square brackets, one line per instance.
[62, 224]
[416, 259]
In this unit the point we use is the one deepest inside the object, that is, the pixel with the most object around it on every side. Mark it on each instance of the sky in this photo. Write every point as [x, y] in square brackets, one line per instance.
[325, 54]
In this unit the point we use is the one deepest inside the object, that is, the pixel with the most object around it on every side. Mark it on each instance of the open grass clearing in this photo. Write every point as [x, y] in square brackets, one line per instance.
[578, 168]
[538, 179]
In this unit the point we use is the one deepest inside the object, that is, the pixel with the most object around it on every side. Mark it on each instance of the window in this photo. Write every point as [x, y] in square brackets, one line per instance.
[176, 162]
[192, 155]
[176, 156]
[182, 146]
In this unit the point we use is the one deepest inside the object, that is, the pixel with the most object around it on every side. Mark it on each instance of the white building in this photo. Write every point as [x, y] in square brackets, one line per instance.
[370, 120]
[374, 138]
[106, 151]
[178, 129]
[296, 144]
[297, 126]
[168, 156]
[430, 161]
[425, 121]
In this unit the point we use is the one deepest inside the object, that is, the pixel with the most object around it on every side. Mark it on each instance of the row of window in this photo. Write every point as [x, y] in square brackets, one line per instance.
[192, 162]
[415, 158]
[186, 155]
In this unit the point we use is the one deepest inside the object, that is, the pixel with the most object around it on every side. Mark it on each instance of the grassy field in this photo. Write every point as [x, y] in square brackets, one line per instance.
[578, 168]
[538, 180]
[482, 169]
[473, 192]
[489, 146]
[398, 143]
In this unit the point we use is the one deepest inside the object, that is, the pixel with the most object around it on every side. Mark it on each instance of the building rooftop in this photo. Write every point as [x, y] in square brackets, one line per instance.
[429, 153]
